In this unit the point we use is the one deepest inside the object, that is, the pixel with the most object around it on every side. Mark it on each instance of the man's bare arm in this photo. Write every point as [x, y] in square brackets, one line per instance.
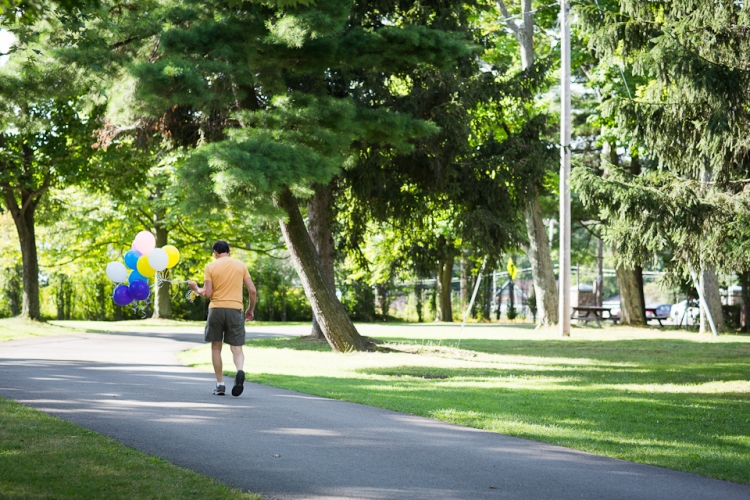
[252, 294]
[206, 291]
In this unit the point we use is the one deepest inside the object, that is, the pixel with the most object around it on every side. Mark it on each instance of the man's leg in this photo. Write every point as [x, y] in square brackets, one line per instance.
[239, 361]
[239, 356]
[216, 360]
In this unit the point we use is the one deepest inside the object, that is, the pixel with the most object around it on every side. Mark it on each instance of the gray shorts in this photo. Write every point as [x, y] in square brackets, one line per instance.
[227, 325]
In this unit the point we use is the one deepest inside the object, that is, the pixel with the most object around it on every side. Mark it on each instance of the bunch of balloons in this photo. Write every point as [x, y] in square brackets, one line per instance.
[142, 261]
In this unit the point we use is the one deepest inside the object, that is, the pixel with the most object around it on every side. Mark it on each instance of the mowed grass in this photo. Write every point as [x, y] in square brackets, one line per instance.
[674, 399]
[45, 457]
[19, 328]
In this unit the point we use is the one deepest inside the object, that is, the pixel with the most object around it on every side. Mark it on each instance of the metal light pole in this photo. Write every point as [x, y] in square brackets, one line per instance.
[564, 269]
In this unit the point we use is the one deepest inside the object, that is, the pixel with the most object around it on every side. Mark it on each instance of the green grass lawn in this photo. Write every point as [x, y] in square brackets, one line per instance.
[18, 328]
[675, 399]
[46, 457]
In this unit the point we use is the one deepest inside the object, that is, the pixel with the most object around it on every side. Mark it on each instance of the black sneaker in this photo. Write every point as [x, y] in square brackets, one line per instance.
[220, 390]
[238, 381]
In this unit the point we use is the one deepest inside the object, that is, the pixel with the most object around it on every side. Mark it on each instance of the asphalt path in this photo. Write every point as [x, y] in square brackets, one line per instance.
[288, 445]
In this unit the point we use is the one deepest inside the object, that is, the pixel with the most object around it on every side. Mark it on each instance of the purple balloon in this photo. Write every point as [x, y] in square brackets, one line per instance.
[139, 290]
[122, 295]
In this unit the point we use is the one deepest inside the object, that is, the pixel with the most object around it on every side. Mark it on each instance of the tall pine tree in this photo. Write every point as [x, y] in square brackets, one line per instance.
[691, 118]
[255, 80]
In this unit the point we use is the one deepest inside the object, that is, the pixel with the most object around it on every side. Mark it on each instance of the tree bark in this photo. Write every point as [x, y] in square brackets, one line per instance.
[639, 284]
[418, 295]
[162, 298]
[463, 282]
[538, 251]
[487, 299]
[542, 270]
[30, 307]
[332, 317]
[709, 283]
[13, 289]
[382, 292]
[745, 298]
[445, 275]
[710, 287]
[283, 302]
[320, 220]
[23, 217]
[631, 301]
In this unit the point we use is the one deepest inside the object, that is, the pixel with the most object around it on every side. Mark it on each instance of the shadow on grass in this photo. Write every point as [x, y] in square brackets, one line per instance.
[626, 350]
[294, 343]
[657, 361]
[699, 433]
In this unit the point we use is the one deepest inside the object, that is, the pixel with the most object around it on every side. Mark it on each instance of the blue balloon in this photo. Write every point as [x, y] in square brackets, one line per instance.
[139, 290]
[122, 295]
[136, 276]
[131, 258]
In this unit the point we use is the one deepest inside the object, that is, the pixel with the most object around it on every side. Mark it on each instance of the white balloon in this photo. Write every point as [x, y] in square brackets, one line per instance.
[158, 259]
[117, 272]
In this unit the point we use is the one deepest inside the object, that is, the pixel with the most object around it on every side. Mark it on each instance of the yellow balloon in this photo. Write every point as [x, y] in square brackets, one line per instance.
[144, 267]
[173, 254]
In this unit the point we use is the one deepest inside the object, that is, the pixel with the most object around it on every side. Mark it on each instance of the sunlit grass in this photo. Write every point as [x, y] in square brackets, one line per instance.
[155, 325]
[669, 398]
[46, 457]
[18, 328]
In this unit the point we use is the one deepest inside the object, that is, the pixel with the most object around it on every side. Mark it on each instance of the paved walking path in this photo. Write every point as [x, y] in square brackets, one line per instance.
[288, 445]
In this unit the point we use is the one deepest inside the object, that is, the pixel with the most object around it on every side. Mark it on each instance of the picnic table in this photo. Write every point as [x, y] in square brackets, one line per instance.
[593, 313]
[658, 318]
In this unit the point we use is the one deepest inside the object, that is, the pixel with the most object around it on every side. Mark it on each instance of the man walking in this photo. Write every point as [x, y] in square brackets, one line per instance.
[223, 280]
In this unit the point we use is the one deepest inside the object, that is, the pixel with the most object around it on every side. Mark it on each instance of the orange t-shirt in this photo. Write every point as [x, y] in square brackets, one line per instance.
[228, 276]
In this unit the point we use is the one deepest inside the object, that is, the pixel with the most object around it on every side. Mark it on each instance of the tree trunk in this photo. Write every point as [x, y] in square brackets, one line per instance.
[710, 287]
[631, 301]
[709, 284]
[463, 282]
[445, 275]
[162, 298]
[418, 295]
[542, 270]
[12, 289]
[320, 219]
[332, 318]
[745, 298]
[639, 284]
[433, 300]
[382, 291]
[283, 303]
[23, 217]
[487, 299]
[538, 251]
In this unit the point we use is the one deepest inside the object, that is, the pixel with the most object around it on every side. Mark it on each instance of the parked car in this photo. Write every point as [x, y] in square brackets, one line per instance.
[661, 310]
[680, 317]
[614, 303]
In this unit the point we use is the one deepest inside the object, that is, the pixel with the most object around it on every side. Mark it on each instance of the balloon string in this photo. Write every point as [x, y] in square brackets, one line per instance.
[161, 279]
[139, 307]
